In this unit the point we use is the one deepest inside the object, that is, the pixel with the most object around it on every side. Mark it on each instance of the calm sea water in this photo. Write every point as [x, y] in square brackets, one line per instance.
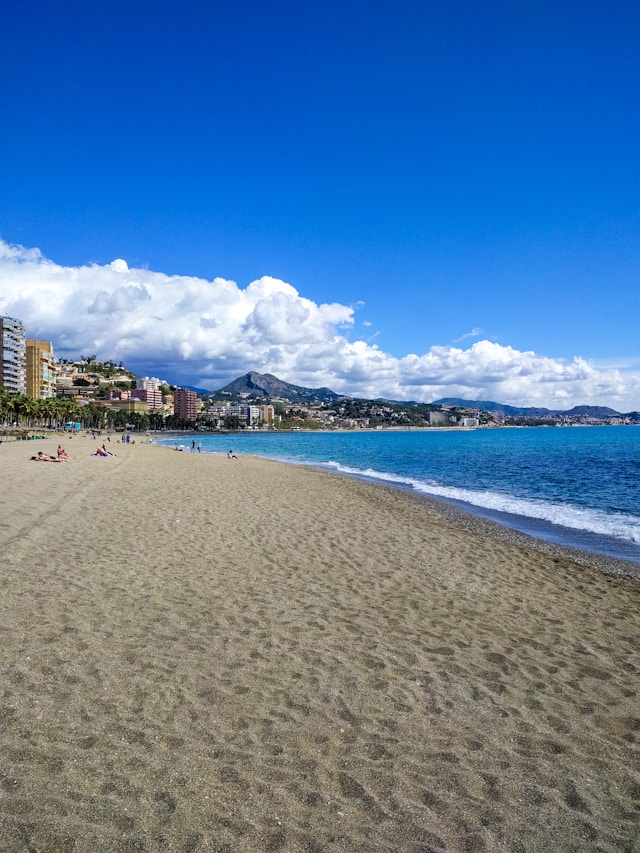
[576, 486]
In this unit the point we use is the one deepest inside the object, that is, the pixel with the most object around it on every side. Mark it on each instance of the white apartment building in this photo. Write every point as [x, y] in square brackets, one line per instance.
[13, 355]
[149, 383]
[251, 415]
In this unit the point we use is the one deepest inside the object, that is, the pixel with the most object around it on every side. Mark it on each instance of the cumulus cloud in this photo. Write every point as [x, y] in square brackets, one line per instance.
[192, 331]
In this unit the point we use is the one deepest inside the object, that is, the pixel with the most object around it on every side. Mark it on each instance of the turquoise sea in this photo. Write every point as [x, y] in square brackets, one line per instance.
[575, 486]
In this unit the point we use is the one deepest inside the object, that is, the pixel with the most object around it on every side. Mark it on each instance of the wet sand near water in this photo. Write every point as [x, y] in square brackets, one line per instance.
[204, 654]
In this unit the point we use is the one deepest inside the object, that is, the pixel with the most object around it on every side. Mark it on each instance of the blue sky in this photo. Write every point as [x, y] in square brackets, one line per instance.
[462, 177]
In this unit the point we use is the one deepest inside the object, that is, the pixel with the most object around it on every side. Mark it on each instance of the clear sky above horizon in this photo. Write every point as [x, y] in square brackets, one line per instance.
[450, 193]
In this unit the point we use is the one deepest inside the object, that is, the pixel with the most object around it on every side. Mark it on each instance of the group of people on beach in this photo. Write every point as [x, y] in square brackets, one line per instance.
[197, 448]
[62, 456]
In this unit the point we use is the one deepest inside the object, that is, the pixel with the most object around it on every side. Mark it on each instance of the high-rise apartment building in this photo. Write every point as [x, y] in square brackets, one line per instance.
[185, 404]
[152, 398]
[41, 370]
[13, 355]
[148, 389]
[267, 414]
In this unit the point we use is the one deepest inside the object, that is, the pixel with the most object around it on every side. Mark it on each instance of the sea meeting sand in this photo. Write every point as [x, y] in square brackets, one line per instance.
[204, 654]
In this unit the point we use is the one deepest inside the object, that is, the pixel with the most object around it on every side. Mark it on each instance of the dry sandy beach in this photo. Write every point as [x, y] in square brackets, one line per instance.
[204, 654]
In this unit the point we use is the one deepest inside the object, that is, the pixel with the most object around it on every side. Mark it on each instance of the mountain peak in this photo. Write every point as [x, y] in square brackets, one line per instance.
[267, 385]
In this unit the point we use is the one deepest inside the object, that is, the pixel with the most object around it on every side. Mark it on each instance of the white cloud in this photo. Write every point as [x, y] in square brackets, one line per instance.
[192, 331]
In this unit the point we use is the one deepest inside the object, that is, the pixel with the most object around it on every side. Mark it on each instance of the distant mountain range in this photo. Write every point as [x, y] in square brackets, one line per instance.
[527, 411]
[268, 386]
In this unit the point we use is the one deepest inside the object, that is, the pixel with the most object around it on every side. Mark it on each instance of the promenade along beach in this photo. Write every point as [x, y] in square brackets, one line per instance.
[210, 654]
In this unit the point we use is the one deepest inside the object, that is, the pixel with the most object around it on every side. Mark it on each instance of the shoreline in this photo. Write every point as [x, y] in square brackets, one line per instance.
[468, 517]
[478, 522]
[201, 653]
[587, 559]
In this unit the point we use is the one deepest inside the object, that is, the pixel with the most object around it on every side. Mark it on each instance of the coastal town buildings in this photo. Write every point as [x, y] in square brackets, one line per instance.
[246, 414]
[13, 355]
[118, 394]
[29, 368]
[41, 370]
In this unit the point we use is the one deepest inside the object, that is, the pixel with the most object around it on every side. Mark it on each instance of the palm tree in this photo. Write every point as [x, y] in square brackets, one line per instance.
[8, 401]
[50, 410]
[24, 408]
[70, 410]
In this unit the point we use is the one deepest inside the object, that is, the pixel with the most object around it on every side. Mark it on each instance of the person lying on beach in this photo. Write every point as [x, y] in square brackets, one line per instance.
[43, 457]
[101, 451]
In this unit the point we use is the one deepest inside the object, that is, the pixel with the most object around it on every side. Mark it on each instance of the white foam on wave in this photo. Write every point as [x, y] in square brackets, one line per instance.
[619, 525]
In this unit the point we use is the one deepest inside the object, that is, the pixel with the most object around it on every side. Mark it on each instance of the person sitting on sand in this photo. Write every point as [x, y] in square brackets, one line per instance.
[231, 455]
[62, 454]
[43, 457]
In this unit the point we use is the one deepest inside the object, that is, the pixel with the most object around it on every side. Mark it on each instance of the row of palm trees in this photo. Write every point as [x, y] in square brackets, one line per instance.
[23, 412]
[20, 410]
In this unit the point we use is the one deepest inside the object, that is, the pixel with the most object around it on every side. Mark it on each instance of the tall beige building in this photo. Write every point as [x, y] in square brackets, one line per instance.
[267, 414]
[41, 370]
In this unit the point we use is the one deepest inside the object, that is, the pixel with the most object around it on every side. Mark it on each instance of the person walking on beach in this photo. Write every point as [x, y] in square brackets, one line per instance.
[193, 446]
